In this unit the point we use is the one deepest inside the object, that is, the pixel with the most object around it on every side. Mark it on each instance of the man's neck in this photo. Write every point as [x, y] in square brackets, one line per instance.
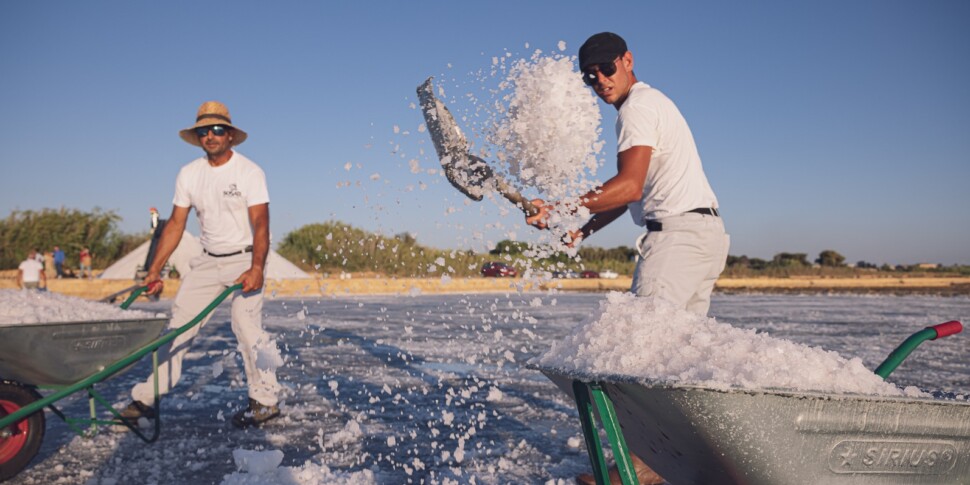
[619, 102]
[219, 160]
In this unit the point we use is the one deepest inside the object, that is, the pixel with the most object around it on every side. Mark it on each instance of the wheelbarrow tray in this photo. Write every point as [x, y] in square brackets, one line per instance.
[697, 435]
[59, 354]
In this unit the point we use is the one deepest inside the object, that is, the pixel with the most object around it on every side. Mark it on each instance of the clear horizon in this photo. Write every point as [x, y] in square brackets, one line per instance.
[821, 126]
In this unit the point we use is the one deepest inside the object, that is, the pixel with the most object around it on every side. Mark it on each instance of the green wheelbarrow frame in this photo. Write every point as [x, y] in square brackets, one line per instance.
[89, 426]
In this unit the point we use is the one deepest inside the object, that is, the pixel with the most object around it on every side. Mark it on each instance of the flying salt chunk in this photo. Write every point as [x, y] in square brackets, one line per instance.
[445, 279]
[268, 356]
[440, 261]
[447, 417]
[391, 441]
[348, 166]
[257, 462]
[495, 395]
[549, 136]
[19, 307]
[561, 45]
[349, 435]
[307, 474]
[678, 347]
[375, 176]
[414, 165]
[573, 442]
[460, 450]
[397, 129]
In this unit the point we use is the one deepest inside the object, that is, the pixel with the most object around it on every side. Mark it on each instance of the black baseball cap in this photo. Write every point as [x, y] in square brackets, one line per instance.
[601, 48]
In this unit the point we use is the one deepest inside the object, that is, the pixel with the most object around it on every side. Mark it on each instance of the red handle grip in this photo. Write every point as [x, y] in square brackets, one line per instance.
[947, 329]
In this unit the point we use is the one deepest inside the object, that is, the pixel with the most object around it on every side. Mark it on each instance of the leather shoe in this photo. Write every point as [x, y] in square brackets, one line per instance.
[645, 475]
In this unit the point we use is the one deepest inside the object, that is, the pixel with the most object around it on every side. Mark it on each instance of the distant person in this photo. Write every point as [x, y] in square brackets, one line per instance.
[59, 261]
[661, 182]
[229, 194]
[84, 271]
[30, 273]
[49, 264]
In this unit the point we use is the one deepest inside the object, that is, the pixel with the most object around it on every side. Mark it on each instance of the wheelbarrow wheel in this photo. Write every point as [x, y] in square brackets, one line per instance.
[20, 442]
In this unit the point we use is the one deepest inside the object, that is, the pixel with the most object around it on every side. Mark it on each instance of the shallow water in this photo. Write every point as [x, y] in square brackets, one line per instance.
[431, 379]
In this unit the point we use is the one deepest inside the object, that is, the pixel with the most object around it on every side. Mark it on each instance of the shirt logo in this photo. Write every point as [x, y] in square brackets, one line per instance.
[232, 191]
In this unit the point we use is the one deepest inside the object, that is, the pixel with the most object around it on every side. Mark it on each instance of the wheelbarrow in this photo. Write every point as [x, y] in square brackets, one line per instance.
[696, 435]
[66, 358]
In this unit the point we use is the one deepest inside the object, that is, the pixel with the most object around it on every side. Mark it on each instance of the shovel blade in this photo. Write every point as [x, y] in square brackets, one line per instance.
[467, 173]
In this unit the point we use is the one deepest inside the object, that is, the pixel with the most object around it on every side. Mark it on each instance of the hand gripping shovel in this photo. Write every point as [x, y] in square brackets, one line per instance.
[469, 174]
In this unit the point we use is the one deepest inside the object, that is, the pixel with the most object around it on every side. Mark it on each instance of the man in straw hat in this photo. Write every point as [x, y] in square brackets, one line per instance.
[229, 194]
[661, 182]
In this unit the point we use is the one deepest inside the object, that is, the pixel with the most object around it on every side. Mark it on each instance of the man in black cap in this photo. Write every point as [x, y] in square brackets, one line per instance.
[661, 182]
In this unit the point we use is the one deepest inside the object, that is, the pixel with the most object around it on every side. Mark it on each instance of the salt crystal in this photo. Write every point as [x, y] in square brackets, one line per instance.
[257, 462]
[18, 307]
[675, 346]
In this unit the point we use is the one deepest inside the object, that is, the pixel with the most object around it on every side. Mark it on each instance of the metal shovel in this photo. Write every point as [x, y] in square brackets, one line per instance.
[469, 174]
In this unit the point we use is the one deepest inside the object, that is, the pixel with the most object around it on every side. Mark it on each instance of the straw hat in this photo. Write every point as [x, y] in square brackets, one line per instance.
[212, 113]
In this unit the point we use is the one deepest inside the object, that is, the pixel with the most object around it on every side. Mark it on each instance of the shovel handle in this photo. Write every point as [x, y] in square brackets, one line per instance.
[515, 197]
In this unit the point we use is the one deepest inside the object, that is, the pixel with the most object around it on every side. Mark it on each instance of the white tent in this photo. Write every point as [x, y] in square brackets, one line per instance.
[277, 267]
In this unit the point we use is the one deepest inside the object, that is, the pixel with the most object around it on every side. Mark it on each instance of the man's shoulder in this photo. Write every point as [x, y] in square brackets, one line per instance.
[244, 162]
[642, 92]
[194, 165]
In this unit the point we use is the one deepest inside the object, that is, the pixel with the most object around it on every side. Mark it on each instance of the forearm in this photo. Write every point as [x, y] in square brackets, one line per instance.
[259, 220]
[614, 195]
[601, 220]
[171, 236]
[260, 245]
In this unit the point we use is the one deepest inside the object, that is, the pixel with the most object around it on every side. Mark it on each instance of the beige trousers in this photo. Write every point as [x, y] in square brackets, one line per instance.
[682, 262]
[209, 277]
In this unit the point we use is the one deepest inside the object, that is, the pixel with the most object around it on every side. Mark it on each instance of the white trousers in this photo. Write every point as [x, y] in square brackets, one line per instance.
[209, 277]
[681, 262]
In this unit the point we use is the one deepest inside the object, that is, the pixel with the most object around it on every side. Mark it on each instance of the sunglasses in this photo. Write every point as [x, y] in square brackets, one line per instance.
[607, 69]
[217, 130]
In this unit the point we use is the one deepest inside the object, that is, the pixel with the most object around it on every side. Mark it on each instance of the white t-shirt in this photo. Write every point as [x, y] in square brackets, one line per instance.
[31, 269]
[222, 197]
[675, 180]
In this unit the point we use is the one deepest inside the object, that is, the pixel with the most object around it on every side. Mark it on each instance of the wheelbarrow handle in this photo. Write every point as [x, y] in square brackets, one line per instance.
[909, 345]
[138, 291]
[947, 329]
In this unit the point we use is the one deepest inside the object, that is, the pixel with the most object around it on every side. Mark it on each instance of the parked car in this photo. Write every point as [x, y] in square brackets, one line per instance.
[589, 274]
[498, 270]
[609, 274]
[568, 274]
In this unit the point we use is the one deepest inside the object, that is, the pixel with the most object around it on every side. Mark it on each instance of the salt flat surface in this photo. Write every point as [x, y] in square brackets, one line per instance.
[433, 389]
[17, 307]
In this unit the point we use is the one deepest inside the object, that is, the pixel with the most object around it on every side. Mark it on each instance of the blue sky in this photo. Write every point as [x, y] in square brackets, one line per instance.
[822, 125]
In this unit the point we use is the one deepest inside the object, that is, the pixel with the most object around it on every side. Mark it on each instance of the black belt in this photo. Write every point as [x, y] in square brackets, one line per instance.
[654, 225]
[247, 249]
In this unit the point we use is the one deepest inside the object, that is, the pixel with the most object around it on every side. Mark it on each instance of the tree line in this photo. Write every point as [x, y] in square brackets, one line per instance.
[335, 247]
[69, 229]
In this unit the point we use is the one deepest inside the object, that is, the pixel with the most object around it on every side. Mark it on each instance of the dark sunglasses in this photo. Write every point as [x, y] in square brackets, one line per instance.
[217, 130]
[607, 69]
